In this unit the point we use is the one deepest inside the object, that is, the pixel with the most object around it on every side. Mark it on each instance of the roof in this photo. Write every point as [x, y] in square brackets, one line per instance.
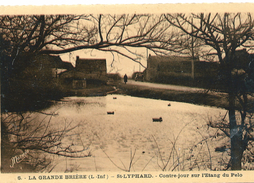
[53, 61]
[61, 64]
[171, 58]
[91, 64]
[91, 59]
[73, 74]
[65, 65]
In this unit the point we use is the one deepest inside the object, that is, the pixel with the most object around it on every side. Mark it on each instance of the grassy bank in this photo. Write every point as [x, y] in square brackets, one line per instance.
[201, 98]
[91, 91]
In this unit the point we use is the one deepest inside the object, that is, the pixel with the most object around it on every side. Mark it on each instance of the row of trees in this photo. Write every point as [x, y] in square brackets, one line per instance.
[220, 35]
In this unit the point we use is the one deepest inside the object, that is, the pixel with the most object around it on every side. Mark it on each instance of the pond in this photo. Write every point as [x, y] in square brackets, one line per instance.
[128, 139]
[120, 133]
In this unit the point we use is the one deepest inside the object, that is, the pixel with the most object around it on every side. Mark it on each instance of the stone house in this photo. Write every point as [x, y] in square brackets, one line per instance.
[176, 69]
[171, 69]
[94, 69]
[87, 72]
[167, 65]
[73, 79]
[46, 67]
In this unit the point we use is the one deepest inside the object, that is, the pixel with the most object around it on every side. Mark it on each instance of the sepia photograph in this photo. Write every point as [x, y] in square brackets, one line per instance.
[167, 95]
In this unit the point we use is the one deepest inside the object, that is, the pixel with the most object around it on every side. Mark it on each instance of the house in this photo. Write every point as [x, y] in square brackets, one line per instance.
[88, 72]
[178, 69]
[50, 65]
[46, 67]
[73, 79]
[94, 69]
[166, 65]
[187, 71]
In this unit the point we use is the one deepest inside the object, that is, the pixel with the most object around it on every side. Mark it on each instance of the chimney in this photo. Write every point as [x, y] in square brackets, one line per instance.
[77, 58]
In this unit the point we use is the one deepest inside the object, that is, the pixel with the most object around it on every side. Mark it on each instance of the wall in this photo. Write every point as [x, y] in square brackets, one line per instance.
[92, 68]
[178, 70]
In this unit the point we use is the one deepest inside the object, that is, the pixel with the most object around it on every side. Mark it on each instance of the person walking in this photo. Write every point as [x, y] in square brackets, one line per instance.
[125, 78]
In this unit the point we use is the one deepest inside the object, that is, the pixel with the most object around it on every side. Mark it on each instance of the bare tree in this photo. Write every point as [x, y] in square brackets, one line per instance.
[27, 132]
[224, 33]
[56, 34]
[23, 37]
[34, 132]
[26, 36]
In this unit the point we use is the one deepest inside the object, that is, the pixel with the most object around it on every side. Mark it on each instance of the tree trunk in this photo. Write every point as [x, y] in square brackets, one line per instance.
[235, 136]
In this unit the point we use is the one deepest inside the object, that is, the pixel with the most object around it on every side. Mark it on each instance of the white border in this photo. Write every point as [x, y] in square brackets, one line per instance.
[94, 2]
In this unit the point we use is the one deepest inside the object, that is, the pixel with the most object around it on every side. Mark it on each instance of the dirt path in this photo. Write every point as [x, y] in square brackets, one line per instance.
[164, 86]
[174, 93]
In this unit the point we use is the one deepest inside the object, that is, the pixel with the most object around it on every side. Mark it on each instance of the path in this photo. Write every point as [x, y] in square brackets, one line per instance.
[163, 86]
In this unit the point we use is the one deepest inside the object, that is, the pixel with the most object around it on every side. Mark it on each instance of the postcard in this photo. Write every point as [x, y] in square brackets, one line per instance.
[119, 93]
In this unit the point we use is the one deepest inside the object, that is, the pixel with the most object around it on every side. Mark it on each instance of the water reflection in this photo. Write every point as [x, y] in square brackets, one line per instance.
[130, 128]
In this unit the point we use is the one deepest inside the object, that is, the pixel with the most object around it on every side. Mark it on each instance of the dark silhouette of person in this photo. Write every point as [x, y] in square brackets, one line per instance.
[125, 78]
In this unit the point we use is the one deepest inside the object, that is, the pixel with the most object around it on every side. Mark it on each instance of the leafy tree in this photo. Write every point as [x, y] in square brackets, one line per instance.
[225, 34]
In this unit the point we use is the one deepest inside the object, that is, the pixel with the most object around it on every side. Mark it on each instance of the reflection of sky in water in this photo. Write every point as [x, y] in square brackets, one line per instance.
[130, 127]
[131, 112]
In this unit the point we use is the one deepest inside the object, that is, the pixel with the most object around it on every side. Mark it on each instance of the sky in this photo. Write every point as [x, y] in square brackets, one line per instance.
[121, 64]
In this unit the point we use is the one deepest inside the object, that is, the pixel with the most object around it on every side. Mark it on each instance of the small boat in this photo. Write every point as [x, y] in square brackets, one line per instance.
[157, 119]
[110, 112]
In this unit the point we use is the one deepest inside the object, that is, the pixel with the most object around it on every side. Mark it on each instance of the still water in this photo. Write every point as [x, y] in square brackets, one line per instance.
[112, 139]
